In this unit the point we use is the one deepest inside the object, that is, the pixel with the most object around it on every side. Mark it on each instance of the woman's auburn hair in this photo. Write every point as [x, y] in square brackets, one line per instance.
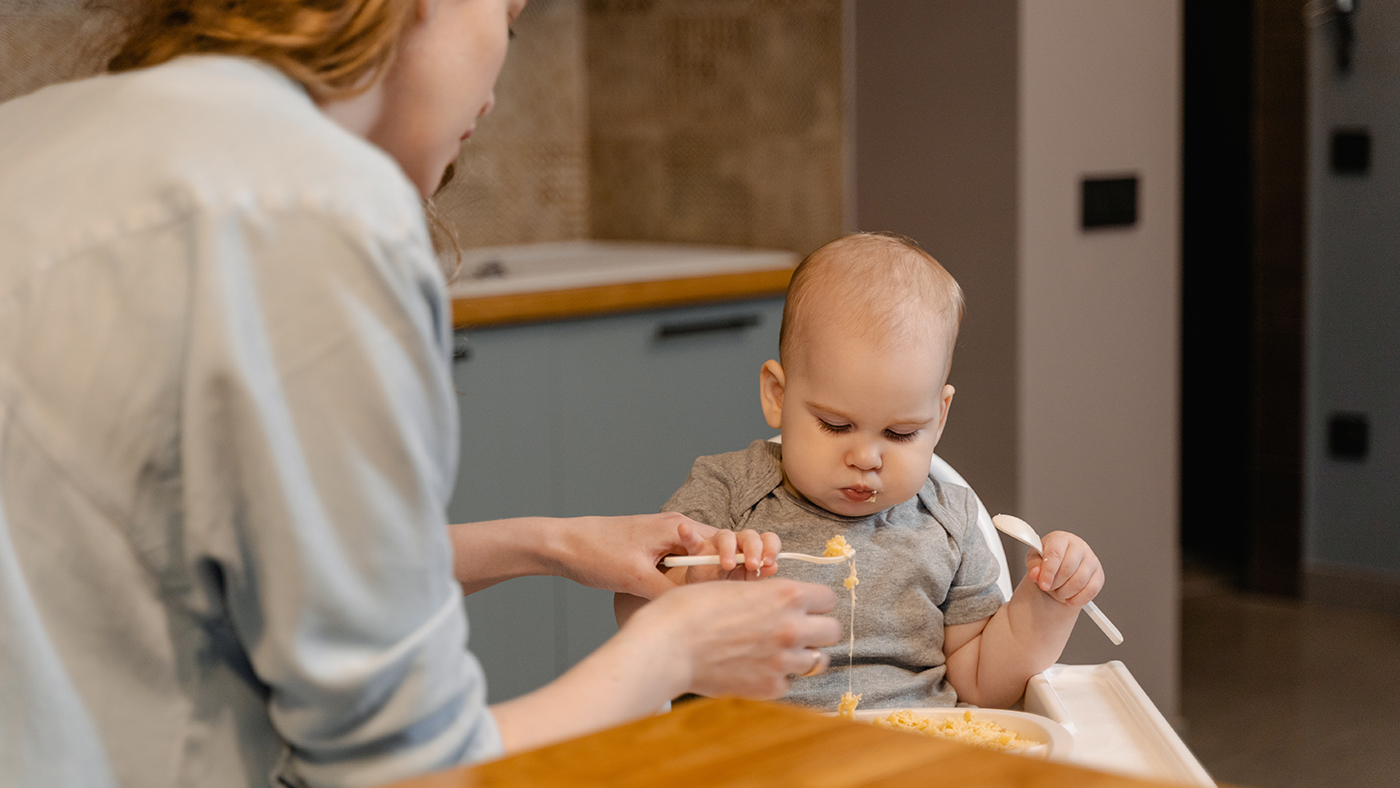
[334, 48]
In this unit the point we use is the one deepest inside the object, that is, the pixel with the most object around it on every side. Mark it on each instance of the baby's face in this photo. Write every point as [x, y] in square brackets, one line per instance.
[859, 421]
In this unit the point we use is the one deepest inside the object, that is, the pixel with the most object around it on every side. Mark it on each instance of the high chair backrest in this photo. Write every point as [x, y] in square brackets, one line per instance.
[940, 470]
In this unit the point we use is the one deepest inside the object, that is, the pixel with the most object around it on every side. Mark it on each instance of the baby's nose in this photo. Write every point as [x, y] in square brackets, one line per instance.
[865, 457]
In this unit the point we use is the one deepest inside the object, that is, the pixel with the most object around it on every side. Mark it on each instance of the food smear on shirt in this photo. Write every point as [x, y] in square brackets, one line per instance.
[968, 730]
[837, 545]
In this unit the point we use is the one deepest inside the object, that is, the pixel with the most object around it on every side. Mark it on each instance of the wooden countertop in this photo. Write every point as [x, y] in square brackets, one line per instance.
[732, 742]
[546, 305]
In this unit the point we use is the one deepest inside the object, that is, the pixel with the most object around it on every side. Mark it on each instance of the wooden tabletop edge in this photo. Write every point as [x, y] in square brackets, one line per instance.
[549, 305]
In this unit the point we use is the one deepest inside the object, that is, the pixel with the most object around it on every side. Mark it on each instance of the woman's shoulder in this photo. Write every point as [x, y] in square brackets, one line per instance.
[200, 132]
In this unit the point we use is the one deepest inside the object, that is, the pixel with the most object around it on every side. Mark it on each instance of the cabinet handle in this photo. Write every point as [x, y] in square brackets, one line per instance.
[461, 351]
[709, 326]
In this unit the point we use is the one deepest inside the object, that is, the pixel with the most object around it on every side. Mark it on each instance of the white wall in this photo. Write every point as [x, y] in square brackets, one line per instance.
[1353, 508]
[1100, 84]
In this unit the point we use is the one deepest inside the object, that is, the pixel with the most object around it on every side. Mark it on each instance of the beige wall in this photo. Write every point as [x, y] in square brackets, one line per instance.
[1098, 362]
[975, 121]
[935, 159]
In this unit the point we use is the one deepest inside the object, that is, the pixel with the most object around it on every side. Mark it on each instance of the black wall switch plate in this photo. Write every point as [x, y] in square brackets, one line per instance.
[1351, 151]
[1348, 436]
[1109, 202]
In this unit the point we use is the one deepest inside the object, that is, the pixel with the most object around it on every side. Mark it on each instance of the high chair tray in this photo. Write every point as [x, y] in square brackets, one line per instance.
[1116, 727]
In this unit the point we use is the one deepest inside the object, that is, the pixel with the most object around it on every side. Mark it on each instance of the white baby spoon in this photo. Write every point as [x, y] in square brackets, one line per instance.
[1021, 531]
[711, 560]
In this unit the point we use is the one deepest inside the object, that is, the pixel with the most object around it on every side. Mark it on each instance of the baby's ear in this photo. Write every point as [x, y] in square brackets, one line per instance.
[771, 383]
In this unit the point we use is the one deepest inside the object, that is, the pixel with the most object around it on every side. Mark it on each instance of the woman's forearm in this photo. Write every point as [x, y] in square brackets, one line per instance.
[623, 680]
[489, 552]
[742, 639]
[611, 553]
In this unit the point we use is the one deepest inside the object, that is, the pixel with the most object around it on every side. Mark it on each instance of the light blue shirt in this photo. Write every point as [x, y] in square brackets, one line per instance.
[227, 439]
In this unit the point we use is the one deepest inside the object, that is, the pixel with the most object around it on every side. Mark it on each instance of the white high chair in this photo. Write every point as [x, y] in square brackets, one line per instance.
[1117, 726]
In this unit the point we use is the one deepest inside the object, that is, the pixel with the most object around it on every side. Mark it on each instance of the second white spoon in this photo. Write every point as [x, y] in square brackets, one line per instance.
[1021, 531]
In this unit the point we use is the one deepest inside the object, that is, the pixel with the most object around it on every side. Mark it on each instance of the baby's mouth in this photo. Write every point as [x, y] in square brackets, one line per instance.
[859, 494]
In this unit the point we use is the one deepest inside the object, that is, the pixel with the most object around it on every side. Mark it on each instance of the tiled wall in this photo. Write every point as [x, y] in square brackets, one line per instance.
[712, 121]
[716, 121]
[48, 41]
[523, 175]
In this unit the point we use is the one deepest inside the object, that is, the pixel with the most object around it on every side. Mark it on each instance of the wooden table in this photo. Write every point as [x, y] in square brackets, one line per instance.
[732, 742]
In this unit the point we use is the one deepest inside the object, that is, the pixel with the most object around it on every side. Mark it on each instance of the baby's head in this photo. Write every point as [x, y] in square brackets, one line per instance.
[861, 392]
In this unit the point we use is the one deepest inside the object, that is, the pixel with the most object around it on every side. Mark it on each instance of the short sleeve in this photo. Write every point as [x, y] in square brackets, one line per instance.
[974, 594]
[707, 495]
[319, 441]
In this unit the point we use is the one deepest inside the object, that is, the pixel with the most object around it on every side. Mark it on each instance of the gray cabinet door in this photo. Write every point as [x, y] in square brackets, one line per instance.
[640, 397]
[506, 470]
[593, 417]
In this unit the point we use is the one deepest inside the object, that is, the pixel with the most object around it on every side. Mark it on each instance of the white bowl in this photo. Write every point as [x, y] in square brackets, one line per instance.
[1053, 742]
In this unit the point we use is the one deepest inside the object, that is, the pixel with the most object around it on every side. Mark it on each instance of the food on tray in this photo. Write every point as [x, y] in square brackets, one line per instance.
[847, 707]
[967, 729]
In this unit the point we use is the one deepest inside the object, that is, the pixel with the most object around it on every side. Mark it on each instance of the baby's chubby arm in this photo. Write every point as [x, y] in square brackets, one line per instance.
[760, 553]
[990, 661]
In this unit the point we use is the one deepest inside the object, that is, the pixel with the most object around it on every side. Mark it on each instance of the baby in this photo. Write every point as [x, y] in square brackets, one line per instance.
[861, 398]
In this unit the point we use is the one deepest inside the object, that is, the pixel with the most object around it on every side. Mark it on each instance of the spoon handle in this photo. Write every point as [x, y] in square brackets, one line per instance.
[697, 560]
[1107, 626]
[713, 560]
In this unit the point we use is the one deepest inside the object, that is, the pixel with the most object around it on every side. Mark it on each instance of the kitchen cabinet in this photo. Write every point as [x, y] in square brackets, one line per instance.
[601, 416]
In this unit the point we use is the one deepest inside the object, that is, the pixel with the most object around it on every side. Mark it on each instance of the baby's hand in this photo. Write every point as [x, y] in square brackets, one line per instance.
[760, 554]
[1066, 569]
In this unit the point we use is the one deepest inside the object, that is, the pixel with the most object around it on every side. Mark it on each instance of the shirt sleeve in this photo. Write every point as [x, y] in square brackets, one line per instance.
[319, 439]
[707, 495]
[974, 594]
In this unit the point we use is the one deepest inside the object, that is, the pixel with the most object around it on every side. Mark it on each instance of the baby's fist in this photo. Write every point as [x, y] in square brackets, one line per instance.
[1066, 569]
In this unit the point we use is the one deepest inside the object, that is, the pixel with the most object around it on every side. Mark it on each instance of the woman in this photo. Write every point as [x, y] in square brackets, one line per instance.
[227, 429]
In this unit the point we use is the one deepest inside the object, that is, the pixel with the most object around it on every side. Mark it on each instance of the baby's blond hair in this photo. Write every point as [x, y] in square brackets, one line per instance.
[881, 286]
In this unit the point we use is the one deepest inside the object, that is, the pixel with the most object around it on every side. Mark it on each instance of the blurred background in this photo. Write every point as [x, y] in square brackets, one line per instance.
[1176, 223]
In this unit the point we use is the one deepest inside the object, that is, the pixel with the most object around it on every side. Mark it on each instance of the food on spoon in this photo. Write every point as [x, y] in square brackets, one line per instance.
[968, 730]
[837, 545]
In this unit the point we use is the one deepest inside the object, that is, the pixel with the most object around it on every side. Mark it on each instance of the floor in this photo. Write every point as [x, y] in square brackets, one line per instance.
[1285, 694]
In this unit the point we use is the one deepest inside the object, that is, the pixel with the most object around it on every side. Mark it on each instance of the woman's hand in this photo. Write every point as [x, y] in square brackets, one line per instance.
[622, 554]
[760, 554]
[745, 639]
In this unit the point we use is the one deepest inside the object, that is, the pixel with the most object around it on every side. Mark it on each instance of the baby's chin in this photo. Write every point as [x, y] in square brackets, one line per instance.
[837, 503]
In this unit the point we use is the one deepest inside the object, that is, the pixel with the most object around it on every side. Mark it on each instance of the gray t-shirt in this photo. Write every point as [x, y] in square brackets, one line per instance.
[922, 565]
